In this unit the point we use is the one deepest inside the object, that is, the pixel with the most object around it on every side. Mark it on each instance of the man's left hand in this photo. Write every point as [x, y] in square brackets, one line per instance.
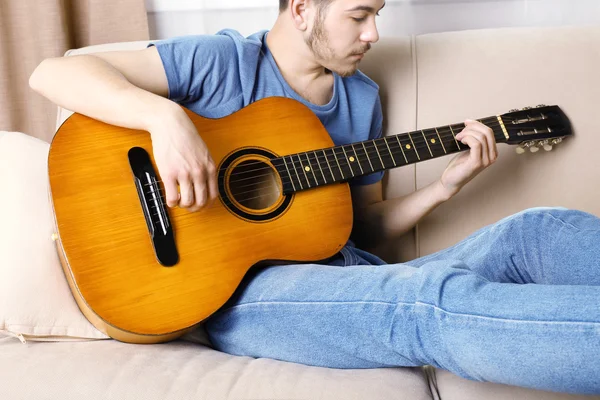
[467, 165]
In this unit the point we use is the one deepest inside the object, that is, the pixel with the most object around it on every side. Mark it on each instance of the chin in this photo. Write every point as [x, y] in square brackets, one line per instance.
[345, 71]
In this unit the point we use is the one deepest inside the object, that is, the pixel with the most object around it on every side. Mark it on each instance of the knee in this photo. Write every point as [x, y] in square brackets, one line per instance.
[538, 222]
[541, 211]
[532, 217]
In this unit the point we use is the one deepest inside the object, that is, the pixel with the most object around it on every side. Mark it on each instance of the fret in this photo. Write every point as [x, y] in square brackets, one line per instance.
[284, 172]
[343, 164]
[312, 170]
[401, 149]
[441, 141]
[395, 149]
[374, 155]
[338, 163]
[328, 165]
[450, 144]
[348, 161]
[320, 169]
[427, 143]
[296, 171]
[407, 148]
[386, 157]
[357, 159]
[452, 130]
[390, 150]
[378, 153]
[434, 143]
[368, 158]
[303, 171]
[414, 147]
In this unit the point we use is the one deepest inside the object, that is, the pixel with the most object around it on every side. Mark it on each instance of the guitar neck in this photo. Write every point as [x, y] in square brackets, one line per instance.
[321, 167]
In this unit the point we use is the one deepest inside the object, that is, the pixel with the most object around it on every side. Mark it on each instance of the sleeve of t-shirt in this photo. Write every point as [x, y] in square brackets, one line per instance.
[201, 69]
[375, 133]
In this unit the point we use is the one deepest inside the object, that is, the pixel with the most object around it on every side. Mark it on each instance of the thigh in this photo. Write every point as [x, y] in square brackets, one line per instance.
[320, 315]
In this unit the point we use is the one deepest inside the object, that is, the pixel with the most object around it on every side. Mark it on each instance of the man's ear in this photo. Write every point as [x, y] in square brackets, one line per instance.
[300, 10]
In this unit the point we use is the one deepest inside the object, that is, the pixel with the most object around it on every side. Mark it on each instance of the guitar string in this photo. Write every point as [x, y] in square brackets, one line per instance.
[300, 162]
[418, 140]
[334, 158]
[276, 187]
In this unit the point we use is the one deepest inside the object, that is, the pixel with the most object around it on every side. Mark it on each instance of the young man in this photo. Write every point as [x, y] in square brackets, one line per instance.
[517, 302]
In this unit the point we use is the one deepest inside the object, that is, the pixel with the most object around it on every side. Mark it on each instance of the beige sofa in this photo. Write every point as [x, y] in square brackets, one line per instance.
[426, 81]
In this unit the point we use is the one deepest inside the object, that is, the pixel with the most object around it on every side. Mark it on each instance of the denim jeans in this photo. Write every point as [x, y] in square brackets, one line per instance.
[517, 302]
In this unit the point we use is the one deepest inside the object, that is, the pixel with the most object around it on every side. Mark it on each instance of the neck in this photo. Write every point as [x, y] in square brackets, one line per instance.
[321, 167]
[297, 63]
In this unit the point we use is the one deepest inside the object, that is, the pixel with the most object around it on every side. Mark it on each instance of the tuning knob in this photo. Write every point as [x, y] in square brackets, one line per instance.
[520, 150]
[541, 105]
[526, 108]
[546, 145]
[556, 141]
[513, 110]
[534, 149]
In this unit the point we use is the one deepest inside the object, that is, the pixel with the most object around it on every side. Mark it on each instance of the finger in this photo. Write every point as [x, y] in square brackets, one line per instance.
[213, 188]
[172, 192]
[475, 152]
[480, 137]
[199, 192]
[492, 147]
[187, 192]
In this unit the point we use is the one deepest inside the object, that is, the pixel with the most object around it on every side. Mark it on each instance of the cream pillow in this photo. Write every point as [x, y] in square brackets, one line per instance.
[35, 299]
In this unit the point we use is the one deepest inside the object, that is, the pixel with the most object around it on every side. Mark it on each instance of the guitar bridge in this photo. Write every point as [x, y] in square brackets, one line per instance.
[154, 207]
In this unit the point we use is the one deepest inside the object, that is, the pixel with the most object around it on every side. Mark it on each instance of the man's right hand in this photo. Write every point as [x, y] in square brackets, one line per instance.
[183, 161]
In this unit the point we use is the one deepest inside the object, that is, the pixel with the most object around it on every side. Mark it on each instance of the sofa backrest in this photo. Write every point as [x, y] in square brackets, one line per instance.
[444, 78]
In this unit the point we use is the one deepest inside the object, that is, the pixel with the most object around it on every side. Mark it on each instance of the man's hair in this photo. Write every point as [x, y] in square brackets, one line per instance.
[283, 4]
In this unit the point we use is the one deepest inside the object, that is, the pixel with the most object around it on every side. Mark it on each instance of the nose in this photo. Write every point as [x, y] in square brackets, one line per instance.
[370, 34]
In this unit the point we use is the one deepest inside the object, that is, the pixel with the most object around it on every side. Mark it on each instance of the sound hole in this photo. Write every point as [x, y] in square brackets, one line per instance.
[253, 184]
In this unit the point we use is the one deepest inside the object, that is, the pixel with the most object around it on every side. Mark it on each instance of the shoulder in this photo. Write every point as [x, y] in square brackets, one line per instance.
[226, 40]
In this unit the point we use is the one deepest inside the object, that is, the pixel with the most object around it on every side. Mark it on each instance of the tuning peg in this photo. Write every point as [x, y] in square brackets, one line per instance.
[546, 145]
[526, 108]
[556, 141]
[513, 110]
[541, 105]
[520, 150]
[534, 149]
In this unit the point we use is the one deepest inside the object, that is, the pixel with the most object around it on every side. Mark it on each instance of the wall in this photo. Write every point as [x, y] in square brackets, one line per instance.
[169, 18]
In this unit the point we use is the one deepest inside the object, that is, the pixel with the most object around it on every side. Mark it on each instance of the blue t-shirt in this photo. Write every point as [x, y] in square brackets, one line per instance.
[217, 75]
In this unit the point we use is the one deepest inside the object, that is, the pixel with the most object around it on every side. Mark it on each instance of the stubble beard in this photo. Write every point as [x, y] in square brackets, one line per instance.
[318, 43]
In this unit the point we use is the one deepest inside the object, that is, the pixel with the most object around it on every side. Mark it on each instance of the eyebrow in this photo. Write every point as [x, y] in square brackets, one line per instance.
[365, 8]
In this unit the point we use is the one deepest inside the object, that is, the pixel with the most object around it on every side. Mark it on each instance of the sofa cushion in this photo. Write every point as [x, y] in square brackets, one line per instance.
[452, 387]
[109, 369]
[35, 300]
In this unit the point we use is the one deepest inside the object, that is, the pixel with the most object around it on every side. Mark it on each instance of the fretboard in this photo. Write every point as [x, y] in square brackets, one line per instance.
[302, 171]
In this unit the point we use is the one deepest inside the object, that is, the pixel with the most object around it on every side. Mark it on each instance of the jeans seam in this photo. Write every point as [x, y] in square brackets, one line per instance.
[567, 223]
[411, 304]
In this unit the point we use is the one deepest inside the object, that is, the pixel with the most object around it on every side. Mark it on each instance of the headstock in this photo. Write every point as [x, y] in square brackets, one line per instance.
[536, 127]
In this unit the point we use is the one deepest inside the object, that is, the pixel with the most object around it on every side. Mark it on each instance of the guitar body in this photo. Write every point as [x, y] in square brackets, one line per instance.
[104, 240]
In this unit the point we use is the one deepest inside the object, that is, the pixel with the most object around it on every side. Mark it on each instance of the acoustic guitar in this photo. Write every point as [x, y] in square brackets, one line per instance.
[142, 272]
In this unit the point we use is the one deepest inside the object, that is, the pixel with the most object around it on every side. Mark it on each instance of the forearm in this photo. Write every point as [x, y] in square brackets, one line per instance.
[91, 86]
[393, 217]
